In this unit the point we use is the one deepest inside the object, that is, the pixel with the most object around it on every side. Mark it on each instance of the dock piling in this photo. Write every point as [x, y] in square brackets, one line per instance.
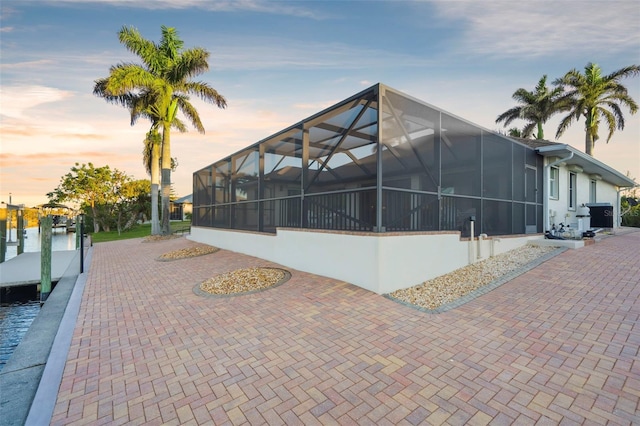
[45, 258]
[3, 240]
[20, 248]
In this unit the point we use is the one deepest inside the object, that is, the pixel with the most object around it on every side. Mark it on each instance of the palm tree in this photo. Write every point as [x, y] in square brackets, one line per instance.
[515, 132]
[596, 97]
[536, 107]
[165, 79]
[151, 151]
[138, 105]
[151, 161]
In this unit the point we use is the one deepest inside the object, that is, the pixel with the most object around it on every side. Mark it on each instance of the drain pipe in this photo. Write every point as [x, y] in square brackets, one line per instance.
[481, 239]
[493, 246]
[472, 249]
[545, 190]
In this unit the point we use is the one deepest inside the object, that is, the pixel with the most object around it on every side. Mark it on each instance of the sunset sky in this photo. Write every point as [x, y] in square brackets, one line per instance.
[278, 62]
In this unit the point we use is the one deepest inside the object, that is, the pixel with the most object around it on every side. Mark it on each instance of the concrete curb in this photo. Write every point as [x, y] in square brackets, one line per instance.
[24, 373]
[44, 401]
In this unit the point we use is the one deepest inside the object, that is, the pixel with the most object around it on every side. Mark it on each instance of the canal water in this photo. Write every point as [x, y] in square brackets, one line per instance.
[16, 317]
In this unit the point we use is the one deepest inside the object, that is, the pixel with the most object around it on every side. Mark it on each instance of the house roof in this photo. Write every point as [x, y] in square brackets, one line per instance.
[184, 200]
[533, 143]
[587, 163]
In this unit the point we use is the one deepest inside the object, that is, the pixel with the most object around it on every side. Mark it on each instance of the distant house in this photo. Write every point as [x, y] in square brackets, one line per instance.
[385, 191]
[180, 208]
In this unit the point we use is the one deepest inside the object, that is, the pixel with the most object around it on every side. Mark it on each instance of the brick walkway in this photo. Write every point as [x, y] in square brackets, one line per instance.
[558, 344]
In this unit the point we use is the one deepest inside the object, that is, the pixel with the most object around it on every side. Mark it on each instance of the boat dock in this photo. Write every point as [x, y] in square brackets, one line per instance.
[24, 269]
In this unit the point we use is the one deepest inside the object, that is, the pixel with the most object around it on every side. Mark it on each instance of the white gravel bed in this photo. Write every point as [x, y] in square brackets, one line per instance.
[452, 286]
[243, 281]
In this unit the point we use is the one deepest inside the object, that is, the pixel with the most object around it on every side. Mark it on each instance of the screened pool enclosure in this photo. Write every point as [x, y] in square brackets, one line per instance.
[379, 161]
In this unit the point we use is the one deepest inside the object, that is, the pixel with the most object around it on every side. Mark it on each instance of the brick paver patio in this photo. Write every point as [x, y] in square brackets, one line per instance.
[557, 345]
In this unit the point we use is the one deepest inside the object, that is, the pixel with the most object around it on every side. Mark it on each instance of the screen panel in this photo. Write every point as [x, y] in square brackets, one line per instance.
[455, 214]
[410, 144]
[496, 217]
[461, 157]
[496, 167]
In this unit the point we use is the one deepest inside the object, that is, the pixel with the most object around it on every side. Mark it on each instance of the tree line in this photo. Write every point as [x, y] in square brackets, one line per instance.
[109, 197]
[592, 95]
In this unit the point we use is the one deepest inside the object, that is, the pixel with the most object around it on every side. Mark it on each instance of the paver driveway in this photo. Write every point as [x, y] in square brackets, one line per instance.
[558, 344]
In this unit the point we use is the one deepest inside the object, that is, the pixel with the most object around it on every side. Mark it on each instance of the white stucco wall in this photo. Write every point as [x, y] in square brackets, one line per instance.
[381, 263]
[605, 193]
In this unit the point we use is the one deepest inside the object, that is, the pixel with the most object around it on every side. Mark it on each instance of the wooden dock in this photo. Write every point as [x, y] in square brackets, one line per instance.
[24, 269]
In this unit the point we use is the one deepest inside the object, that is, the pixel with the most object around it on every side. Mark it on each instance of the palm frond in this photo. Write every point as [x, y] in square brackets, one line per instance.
[205, 92]
[191, 113]
[131, 38]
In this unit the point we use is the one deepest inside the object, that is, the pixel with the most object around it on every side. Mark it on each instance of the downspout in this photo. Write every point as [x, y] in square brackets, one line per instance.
[545, 190]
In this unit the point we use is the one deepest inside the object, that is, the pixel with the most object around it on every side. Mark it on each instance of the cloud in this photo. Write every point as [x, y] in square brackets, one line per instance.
[299, 9]
[27, 65]
[48, 158]
[541, 28]
[282, 53]
[15, 100]
[31, 176]
[24, 129]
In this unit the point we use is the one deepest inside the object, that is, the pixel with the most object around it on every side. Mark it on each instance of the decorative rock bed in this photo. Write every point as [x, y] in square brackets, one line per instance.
[199, 250]
[153, 238]
[243, 281]
[453, 286]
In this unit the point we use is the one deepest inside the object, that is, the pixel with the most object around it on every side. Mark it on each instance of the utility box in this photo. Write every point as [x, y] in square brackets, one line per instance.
[601, 215]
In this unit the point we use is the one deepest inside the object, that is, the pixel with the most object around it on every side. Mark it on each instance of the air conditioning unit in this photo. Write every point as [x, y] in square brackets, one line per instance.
[574, 168]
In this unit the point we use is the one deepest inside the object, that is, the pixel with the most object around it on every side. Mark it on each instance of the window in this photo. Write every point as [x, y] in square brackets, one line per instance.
[553, 183]
[572, 191]
[592, 191]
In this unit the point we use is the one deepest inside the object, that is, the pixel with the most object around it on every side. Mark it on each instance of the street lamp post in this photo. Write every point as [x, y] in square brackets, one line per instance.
[81, 243]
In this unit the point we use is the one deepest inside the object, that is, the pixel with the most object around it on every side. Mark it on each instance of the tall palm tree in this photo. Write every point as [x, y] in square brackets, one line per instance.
[165, 76]
[596, 97]
[536, 107]
[138, 105]
[151, 161]
[151, 151]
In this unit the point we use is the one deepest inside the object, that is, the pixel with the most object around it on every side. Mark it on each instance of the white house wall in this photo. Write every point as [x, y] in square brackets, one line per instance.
[558, 210]
[381, 263]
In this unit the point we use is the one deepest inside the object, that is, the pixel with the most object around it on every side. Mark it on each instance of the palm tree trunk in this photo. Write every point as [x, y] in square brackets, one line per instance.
[589, 137]
[155, 186]
[166, 177]
[589, 143]
[540, 131]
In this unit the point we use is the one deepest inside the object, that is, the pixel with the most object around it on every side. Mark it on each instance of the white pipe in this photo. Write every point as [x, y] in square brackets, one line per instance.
[616, 214]
[545, 190]
[480, 244]
[472, 254]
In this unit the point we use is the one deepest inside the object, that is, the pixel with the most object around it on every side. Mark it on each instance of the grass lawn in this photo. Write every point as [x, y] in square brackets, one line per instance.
[138, 231]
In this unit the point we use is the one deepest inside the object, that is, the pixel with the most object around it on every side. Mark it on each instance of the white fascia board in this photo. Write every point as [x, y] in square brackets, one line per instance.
[588, 163]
